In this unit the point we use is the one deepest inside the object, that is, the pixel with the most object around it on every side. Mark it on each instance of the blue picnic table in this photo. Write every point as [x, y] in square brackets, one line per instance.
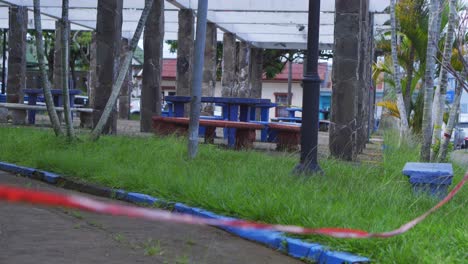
[292, 118]
[234, 109]
[35, 95]
[292, 111]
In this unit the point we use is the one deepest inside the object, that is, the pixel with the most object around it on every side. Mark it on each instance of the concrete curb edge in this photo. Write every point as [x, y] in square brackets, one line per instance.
[273, 239]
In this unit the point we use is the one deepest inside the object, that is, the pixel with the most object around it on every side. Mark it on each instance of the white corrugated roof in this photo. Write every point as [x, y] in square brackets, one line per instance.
[264, 23]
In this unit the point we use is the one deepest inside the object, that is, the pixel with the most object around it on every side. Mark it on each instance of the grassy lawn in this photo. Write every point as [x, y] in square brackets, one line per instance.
[258, 186]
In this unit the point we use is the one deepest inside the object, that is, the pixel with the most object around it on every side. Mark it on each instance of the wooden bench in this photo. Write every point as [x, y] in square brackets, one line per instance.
[288, 137]
[244, 135]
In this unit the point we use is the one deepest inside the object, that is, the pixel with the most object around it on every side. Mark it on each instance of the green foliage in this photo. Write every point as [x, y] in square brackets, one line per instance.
[413, 19]
[80, 48]
[391, 108]
[416, 121]
[173, 46]
[258, 186]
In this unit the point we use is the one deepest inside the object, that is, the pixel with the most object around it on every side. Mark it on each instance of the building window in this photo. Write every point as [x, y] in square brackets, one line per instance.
[281, 99]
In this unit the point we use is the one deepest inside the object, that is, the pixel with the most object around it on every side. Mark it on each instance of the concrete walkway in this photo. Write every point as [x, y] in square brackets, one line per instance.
[31, 234]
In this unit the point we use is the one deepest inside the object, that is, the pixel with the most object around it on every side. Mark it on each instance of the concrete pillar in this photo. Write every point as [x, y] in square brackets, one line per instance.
[243, 70]
[346, 80]
[108, 38]
[185, 52]
[229, 79]
[209, 67]
[18, 24]
[256, 77]
[124, 97]
[153, 40]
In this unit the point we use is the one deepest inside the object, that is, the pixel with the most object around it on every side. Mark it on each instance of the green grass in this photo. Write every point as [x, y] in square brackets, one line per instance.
[258, 186]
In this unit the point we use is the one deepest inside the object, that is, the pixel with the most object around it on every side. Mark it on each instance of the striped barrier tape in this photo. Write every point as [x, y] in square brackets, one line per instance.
[24, 195]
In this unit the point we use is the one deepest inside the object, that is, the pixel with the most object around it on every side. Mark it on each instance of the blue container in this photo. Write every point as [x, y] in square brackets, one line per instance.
[429, 178]
[435, 190]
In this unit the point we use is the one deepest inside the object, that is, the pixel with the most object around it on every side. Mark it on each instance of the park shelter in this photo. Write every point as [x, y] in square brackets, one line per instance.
[346, 26]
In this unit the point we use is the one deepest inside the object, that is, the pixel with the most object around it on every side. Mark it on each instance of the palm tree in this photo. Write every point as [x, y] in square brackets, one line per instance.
[413, 19]
[404, 128]
[438, 105]
[434, 26]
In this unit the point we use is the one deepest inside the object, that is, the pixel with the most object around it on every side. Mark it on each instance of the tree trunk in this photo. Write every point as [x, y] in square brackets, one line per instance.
[209, 67]
[18, 26]
[409, 81]
[257, 72]
[404, 128]
[153, 40]
[92, 81]
[228, 80]
[124, 97]
[185, 45]
[108, 54]
[451, 122]
[56, 66]
[185, 52]
[290, 62]
[72, 84]
[65, 36]
[122, 73]
[429, 77]
[54, 120]
[438, 105]
[244, 70]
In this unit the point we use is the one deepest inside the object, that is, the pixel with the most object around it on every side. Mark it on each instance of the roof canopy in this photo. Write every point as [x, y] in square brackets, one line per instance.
[272, 24]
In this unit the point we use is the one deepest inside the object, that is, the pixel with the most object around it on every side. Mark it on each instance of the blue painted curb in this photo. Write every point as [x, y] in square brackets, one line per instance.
[16, 169]
[50, 177]
[273, 239]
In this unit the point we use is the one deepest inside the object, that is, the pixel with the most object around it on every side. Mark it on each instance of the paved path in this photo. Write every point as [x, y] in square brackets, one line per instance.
[30, 234]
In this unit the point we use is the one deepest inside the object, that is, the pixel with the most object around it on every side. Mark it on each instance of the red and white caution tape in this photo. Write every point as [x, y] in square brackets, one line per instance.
[23, 195]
